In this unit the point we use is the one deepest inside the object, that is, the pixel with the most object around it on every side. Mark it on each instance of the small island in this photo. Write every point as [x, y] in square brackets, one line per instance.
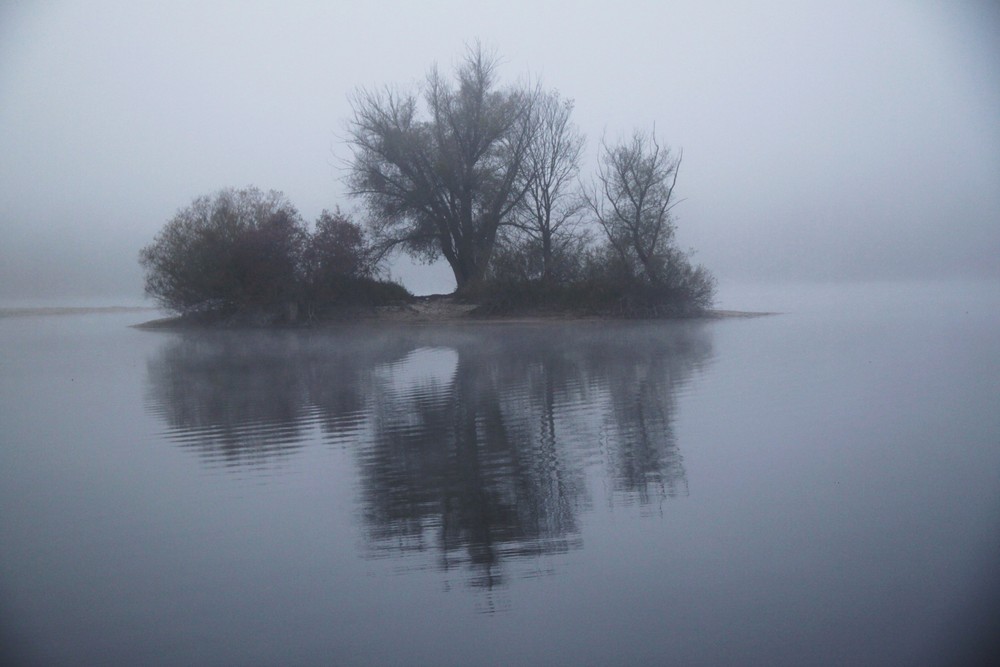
[484, 176]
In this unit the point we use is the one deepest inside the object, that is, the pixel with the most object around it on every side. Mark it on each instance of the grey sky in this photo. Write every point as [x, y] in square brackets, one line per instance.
[822, 141]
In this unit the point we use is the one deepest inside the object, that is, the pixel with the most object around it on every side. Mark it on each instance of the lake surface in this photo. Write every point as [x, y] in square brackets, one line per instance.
[817, 487]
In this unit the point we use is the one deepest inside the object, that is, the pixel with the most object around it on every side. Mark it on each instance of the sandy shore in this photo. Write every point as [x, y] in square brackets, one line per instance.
[444, 309]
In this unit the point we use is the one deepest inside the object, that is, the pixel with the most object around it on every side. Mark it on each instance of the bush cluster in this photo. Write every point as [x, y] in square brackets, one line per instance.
[593, 278]
[245, 253]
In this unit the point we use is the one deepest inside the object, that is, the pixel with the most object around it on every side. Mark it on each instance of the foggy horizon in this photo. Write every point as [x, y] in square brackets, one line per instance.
[822, 143]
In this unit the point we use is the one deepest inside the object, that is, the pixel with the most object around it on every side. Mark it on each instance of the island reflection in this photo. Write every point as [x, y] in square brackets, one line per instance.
[474, 444]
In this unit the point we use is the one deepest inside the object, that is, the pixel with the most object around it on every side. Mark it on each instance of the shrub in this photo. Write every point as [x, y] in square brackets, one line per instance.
[338, 247]
[247, 256]
[604, 284]
[236, 250]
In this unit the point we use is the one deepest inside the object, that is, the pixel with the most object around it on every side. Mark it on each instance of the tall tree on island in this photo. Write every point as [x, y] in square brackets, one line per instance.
[439, 179]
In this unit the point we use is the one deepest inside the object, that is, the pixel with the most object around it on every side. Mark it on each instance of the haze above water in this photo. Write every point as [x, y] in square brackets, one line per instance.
[818, 487]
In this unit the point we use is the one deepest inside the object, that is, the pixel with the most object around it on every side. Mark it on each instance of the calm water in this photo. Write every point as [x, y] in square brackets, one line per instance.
[819, 487]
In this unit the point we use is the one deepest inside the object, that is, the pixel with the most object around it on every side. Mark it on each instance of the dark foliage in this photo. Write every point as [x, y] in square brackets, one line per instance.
[340, 269]
[602, 285]
[343, 293]
[338, 247]
[234, 251]
[247, 257]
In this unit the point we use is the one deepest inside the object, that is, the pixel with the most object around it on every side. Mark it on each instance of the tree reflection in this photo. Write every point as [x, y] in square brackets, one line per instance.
[248, 398]
[473, 444]
[457, 467]
[233, 399]
[643, 372]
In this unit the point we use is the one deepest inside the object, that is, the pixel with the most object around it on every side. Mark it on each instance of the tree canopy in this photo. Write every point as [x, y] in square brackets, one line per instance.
[440, 178]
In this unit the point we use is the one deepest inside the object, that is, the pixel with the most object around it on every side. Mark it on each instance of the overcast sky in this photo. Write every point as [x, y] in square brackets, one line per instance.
[822, 141]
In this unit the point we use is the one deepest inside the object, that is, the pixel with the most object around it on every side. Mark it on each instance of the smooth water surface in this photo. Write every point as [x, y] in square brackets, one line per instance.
[818, 487]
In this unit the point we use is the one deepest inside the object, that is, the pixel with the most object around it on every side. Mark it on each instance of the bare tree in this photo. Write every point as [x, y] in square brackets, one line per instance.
[442, 183]
[549, 213]
[632, 197]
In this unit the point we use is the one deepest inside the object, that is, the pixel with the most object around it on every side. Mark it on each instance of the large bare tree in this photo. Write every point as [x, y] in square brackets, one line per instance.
[547, 216]
[440, 178]
[632, 196]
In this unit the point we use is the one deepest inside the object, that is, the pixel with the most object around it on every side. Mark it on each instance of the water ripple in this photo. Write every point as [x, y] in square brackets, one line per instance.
[476, 445]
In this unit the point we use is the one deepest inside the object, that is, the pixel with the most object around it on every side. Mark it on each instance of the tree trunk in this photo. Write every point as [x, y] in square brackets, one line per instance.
[546, 256]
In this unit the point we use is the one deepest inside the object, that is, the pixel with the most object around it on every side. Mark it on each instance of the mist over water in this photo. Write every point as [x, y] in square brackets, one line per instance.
[821, 486]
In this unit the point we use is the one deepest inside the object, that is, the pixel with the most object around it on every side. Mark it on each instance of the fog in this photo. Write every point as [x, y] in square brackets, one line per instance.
[822, 141]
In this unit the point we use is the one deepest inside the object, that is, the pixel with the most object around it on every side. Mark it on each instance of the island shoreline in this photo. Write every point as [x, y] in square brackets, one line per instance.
[430, 311]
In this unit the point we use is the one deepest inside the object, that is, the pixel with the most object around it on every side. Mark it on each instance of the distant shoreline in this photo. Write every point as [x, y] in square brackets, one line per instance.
[70, 310]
